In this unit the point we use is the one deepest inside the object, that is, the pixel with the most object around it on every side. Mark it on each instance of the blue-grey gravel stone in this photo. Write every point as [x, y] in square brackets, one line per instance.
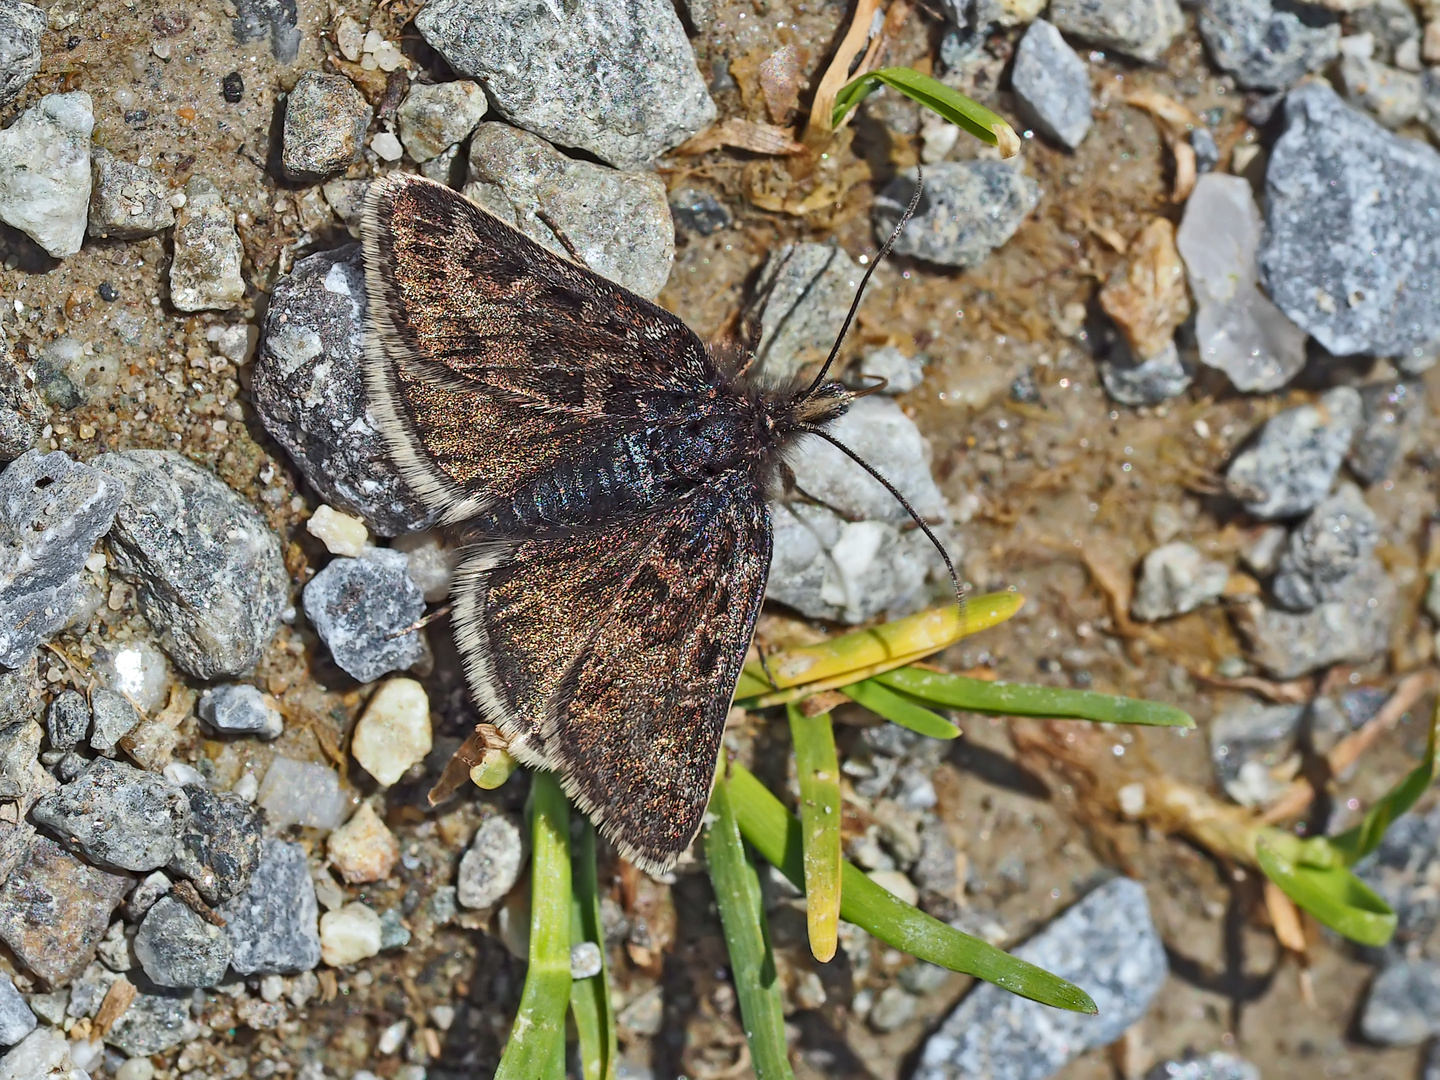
[21, 27]
[274, 924]
[220, 845]
[52, 510]
[1207, 150]
[1325, 549]
[698, 211]
[1403, 1006]
[113, 718]
[355, 604]
[1292, 464]
[208, 568]
[67, 720]
[1142, 29]
[1106, 943]
[1391, 411]
[153, 1024]
[1149, 382]
[1249, 740]
[240, 709]
[801, 295]
[616, 80]
[117, 816]
[179, 949]
[1216, 1066]
[1052, 84]
[310, 393]
[1402, 870]
[968, 209]
[1351, 251]
[20, 700]
[1267, 46]
[16, 1018]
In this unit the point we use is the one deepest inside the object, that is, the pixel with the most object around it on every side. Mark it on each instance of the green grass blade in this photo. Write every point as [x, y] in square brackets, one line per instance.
[590, 998]
[536, 1047]
[819, 771]
[935, 96]
[1024, 699]
[776, 835]
[899, 709]
[742, 913]
[1354, 844]
[1335, 896]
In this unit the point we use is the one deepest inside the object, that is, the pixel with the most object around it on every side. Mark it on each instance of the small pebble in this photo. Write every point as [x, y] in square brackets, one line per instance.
[233, 87]
[114, 718]
[142, 898]
[1325, 549]
[16, 1019]
[970, 209]
[698, 211]
[893, 1009]
[45, 172]
[1403, 1006]
[137, 1068]
[301, 793]
[241, 709]
[434, 118]
[220, 846]
[349, 935]
[178, 948]
[585, 960]
[325, 124]
[67, 721]
[1052, 84]
[341, 533]
[896, 884]
[205, 272]
[117, 816]
[1176, 579]
[491, 865]
[1288, 470]
[394, 731]
[1216, 1066]
[356, 605]
[272, 925]
[363, 849]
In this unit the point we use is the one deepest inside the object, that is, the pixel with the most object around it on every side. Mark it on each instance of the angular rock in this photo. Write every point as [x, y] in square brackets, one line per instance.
[127, 201]
[208, 567]
[114, 718]
[1326, 548]
[41, 1055]
[1292, 464]
[138, 670]
[143, 897]
[434, 118]
[1237, 328]
[45, 172]
[968, 209]
[1108, 944]
[349, 935]
[394, 731]
[1403, 1006]
[16, 1019]
[340, 533]
[355, 604]
[1052, 85]
[20, 409]
[73, 505]
[1176, 579]
[363, 849]
[219, 847]
[179, 949]
[1394, 97]
[698, 211]
[1216, 1066]
[19, 770]
[20, 700]
[153, 1024]
[1142, 29]
[1351, 252]
[619, 81]
[325, 123]
[55, 909]
[619, 222]
[1146, 294]
[241, 709]
[310, 393]
[301, 793]
[205, 273]
[429, 564]
[117, 816]
[1268, 46]
[800, 300]
[21, 27]
[1147, 382]
[1392, 411]
[273, 924]
[491, 864]
[67, 720]
[1247, 742]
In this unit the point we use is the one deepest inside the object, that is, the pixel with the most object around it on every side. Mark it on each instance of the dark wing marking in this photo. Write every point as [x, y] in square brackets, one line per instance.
[490, 360]
[611, 657]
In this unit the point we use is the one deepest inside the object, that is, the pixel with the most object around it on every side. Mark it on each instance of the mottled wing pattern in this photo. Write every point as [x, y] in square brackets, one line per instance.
[611, 656]
[490, 360]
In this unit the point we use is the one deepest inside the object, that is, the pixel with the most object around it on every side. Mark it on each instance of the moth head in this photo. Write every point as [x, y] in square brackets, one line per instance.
[817, 406]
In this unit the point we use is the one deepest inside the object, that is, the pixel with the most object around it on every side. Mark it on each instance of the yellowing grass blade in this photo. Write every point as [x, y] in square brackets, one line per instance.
[818, 770]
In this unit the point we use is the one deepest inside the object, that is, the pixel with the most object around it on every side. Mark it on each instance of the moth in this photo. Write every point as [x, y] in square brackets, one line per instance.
[608, 473]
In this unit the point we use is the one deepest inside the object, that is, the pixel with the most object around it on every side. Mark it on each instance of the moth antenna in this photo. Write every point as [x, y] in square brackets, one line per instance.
[860, 292]
[888, 486]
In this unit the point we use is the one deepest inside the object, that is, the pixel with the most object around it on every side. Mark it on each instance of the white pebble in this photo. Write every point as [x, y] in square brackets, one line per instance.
[271, 988]
[340, 533]
[394, 732]
[182, 775]
[392, 1038]
[137, 1068]
[1132, 799]
[95, 563]
[349, 935]
[443, 1015]
[584, 960]
[349, 38]
[247, 787]
[363, 849]
[388, 56]
[387, 146]
[896, 884]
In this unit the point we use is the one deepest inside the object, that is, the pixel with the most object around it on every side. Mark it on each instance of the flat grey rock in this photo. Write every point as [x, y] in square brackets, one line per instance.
[491, 864]
[45, 172]
[356, 604]
[1289, 468]
[117, 816]
[113, 717]
[800, 299]
[1327, 547]
[615, 79]
[153, 1024]
[274, 924]
[179, 949]
[1268, 46]
[1052, 84]
[16, 1019]
[968, 209]
[1351, 251]
[1403, 1006]
[20, 698]
[21, 28]
[20, 409]
[1160, 378]
[1142, 29]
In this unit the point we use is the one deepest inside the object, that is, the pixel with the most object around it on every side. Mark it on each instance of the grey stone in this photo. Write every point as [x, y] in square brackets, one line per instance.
[114, 718]
[1392, 411]
[45, 172]
[50, 1007]
[208, 568]
[1267, 46]
[325, 123]
[1394, 97]
[447, 167]
[1403, 869]
[491, 864]
[1207, 150]
[240, 709]
[179, 949]
[16, 1019]
[302, 793]
[356, 604]
[893, 1009]
[1247, 742]
[89, 990]
[205, 273]
[20, 409]
[968, 209]
[117, 950]
[1403, 1006]
[153, 1024]
[1351, 252]
[69, 373]
[1327, 547]
[20, 699]
[21, 27]
[127, 201]
[432, 119]
[800, 299]
[52, 510]
[1174, 579]
[1052, 85]
[1214, 1066]
[276, 19]
[1142, 29]
[393, 934]
[70, 765]
[1106, 943]
[698, 211]
[274, 924]
[143, 897]
[617, 80]
[618, 222]
[219, 848]
[1292, 464]
[19, 748]
[901, 373]
[1390, 23]
[117, 816]
[1149, 382]
[1350, 629]
[67, 721]
[54, 909]
[309, 391]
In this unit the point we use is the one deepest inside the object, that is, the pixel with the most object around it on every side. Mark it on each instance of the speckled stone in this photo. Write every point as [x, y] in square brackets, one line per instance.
[1052, 84]
[1289, 468]
[241, 709]
[273, 924]
[491, 864]
[179, 949]
[433, 118]
[153, 1024]
[219, 847]
[21, 27]
[67, 720]
[45, 172]
[1142, 29]
[325, 123]
[117, 816]
[355, 604]
[968, 209]
[127, 201]
[1403, 1006]
[1174, 579]
[205, 272]
[1327, 547]
[114, 718]
[1268, 46]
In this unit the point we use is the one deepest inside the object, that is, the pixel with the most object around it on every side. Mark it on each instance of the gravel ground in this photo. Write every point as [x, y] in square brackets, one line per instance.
[1166, 373]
